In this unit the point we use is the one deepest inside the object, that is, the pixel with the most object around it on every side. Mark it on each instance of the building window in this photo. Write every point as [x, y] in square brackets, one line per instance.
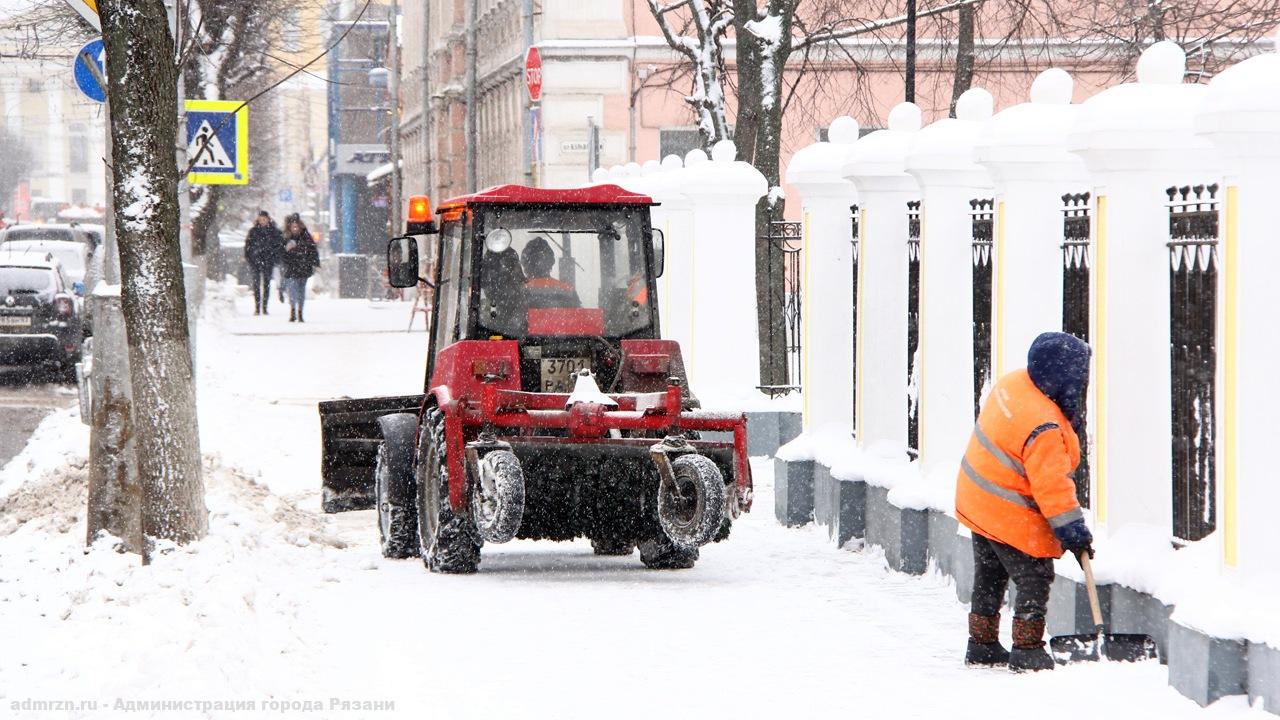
[291, 31]
[78, 149]
[678, 141]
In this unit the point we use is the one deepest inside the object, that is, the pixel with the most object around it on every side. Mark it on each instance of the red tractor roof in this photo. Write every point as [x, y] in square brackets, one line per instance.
[521, 195]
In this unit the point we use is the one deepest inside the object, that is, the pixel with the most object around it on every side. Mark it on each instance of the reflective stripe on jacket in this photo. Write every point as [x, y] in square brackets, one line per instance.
[1015, 481]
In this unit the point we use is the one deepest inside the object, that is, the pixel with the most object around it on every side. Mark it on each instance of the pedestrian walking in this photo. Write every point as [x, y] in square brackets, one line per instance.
[262, 250]
[1016, 494]
[300, 260]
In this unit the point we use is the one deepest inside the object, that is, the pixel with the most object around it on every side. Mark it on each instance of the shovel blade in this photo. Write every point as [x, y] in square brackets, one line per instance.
[1117, 647]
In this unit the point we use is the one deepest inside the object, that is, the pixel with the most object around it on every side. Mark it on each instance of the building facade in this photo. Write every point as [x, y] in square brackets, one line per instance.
[61, 129]
[359, 119]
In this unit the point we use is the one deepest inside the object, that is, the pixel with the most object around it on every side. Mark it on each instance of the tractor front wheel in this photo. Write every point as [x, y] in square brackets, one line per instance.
[395, 488]
[497, 496]
[691, 511]
[448, 542]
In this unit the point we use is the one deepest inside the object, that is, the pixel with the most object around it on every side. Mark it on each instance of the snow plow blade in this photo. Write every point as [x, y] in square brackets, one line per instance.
[350, 436]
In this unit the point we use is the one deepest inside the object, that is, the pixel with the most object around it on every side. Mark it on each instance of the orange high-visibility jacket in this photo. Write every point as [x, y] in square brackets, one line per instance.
[1015, 480]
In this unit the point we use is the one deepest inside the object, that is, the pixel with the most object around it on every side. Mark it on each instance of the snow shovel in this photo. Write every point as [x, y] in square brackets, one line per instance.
[1100, 644]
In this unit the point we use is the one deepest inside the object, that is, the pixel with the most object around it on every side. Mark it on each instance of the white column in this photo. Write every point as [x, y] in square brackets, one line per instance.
[827, 281]
[1241, 115]
[1024, 149]
[875, 166]
[674, 217]
[1136, 140]
[941, 162]
[723, 361]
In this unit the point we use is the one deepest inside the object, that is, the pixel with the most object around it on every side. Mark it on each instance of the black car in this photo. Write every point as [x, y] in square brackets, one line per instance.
[39, 318]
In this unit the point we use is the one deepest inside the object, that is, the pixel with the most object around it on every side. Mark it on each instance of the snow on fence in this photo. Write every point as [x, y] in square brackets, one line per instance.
[1141, 220]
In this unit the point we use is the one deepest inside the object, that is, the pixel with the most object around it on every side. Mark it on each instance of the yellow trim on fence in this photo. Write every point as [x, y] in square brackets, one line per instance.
[1099, 336]
[1230, 529]
[806, 347]
[998, 259]
[858, 370]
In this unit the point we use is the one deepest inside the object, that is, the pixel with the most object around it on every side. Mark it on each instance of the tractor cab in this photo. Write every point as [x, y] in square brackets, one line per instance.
[567, 274]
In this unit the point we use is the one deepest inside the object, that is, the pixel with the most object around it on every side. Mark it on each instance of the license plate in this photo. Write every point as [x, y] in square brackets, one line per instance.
[15, 321]
[558, 373]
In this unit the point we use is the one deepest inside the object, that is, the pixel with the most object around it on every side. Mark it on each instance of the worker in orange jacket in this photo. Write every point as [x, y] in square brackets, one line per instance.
[1015, 492]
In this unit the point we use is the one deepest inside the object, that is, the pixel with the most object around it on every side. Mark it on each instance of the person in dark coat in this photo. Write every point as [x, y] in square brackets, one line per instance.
[1015, 493]
[300, 260]
[262, 249]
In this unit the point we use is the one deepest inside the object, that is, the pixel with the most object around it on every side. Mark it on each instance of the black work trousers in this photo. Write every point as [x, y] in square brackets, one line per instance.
[260, 277]
[994, 564]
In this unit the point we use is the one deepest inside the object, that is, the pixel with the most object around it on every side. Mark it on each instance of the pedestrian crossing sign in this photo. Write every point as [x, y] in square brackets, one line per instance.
[217, 142]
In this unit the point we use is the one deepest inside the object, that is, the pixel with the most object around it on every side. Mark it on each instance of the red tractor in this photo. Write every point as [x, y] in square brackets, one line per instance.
[552, 408]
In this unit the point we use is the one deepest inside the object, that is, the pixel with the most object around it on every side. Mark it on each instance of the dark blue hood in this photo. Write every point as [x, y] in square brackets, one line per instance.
[1059, 366]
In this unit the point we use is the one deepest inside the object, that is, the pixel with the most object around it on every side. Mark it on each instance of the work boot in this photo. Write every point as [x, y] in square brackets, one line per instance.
[293, 314]
[1028, 654]
[984, 642]
[300, 314]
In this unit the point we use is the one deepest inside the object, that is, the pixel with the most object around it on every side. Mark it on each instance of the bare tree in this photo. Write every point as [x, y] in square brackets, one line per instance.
[142, 76]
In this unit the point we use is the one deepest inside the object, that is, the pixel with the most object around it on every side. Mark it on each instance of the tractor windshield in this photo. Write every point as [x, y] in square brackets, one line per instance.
[563, 271]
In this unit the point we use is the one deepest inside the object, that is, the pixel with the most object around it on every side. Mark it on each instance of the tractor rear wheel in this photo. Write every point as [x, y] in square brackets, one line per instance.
[692, 511]
[497, 496]
[395, 488]
[448, 542]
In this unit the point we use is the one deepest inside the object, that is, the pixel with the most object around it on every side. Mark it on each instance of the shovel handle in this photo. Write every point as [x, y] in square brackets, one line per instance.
[1091, 588]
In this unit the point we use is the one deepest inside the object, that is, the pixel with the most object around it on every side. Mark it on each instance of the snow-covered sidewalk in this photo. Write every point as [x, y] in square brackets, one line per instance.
[281, 604]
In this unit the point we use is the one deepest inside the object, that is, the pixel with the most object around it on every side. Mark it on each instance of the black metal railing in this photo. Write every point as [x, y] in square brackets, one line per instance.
[1075, 306]
[785, 237]
[1193, 307]
[913, 327]
[853, 315]
[982, 216]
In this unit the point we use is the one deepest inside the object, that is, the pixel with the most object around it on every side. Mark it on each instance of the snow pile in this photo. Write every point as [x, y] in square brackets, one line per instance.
[883, 464]
[1190, 578]
[60, 443]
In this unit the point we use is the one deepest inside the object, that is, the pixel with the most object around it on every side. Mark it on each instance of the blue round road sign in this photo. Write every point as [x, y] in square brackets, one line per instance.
[84, 79]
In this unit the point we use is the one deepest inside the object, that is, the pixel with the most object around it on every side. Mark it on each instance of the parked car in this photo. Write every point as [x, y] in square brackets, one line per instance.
[39, 318]
[53, 231]
[73, 256]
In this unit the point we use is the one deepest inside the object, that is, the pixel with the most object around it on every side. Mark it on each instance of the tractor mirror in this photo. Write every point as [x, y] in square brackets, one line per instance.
[402, 262]
[659, 252]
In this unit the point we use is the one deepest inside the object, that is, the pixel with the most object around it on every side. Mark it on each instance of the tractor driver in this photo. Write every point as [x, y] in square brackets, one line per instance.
[545, 291]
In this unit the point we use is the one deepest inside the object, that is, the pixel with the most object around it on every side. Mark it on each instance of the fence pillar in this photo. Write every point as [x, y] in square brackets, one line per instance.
[674, 218]
[1136, 141]
[876, 167]
[723, 355]
[827, 264]
[1024, 148]
[941, 161]
[1241, 116]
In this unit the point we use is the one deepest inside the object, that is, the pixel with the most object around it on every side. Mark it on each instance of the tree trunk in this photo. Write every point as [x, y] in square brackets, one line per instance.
[761, 67]
[964, 55]
[142, 83]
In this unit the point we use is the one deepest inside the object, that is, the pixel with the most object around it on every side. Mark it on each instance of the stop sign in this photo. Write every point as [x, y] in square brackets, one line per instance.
[533, 74]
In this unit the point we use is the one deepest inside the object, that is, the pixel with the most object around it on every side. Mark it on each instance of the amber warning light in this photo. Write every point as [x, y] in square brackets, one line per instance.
[420, 220]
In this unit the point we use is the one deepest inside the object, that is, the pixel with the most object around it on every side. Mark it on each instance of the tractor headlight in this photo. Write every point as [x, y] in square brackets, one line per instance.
[497, 240]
